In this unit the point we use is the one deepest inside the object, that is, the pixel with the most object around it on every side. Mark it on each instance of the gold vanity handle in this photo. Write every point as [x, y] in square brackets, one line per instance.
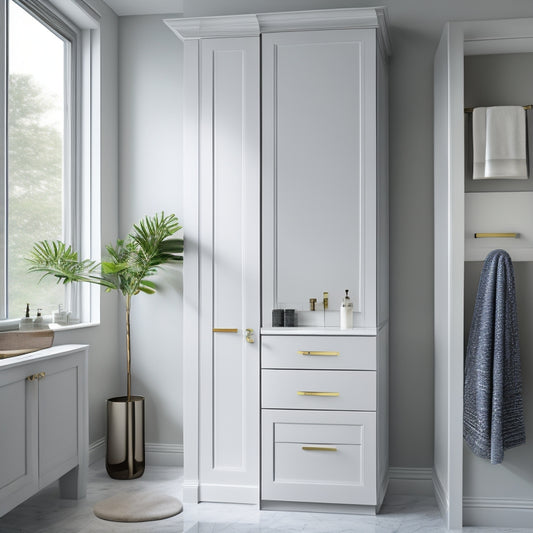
[225, 330]
[33, 377]
[319, 448]
[310, 352]
[316, 393]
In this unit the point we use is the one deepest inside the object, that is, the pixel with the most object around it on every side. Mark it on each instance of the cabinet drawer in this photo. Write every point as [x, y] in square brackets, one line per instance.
[319, 389]
[310, 351]
[312, 456]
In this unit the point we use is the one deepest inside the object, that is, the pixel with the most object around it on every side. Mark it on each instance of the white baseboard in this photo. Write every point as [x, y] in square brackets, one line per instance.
[214, 492]
[497, 512]
[96, 450]
[155, 454]
[417, 481]
[191, 491]
[440, 495]
[163, 454]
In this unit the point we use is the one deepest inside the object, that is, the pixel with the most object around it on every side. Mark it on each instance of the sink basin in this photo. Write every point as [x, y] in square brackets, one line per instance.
[13, 343]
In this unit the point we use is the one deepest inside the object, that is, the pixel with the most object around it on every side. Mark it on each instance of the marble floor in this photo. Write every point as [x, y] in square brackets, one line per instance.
[47, 513]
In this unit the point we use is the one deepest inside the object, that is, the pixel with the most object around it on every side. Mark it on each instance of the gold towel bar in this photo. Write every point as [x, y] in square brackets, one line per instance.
[496, 235]
[316, 393]
[320, 448]
[306, 352]
[471, 109]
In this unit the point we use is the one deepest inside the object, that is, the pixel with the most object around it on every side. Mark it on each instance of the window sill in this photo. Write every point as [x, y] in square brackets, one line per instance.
[70, 327]
[13, 325]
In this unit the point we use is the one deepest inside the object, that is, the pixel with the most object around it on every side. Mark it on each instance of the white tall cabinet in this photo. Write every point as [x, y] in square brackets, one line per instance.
[286, 197]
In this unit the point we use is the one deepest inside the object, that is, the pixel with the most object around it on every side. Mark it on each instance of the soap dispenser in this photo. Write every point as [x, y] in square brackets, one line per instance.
[346, 312]
[26, 323]
[38, 323]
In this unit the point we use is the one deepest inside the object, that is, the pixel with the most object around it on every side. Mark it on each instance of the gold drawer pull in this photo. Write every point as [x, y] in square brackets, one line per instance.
[319, 448]
[316, 393]
[306, 352]
[225, 330]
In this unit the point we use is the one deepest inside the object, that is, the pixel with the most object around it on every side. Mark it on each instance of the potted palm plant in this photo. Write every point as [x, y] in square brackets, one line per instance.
[129, 264]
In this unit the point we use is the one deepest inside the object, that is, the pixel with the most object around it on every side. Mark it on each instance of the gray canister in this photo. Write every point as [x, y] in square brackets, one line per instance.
[277, 318]
[289, 318]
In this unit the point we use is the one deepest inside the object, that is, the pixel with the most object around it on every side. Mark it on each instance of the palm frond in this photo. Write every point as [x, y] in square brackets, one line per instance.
[55, 258]
[129, 262]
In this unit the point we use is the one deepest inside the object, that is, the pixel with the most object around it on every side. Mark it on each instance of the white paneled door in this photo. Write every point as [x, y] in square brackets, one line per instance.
[229, 230]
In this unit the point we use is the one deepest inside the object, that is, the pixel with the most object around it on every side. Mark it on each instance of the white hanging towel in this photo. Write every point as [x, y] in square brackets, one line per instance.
[499, 140]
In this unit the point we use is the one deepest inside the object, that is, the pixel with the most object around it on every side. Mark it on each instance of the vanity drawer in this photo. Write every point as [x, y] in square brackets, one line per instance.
[312, 456]
[319, 389]
[311, 351]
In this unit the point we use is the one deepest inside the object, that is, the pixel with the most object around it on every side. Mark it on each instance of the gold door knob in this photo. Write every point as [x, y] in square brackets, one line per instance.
[250, 335]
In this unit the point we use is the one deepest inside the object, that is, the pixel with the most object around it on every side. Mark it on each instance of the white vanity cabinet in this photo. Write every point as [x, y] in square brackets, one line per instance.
[44, 424]
[285, 172]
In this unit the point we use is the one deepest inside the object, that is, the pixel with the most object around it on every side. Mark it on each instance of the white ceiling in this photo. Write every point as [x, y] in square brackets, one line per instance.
[145, 7]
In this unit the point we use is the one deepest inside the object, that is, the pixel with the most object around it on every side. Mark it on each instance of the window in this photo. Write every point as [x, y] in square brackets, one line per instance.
[47, 182]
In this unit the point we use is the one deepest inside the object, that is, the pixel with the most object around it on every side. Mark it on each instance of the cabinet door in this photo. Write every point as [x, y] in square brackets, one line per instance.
[319, 168]
[59, 395]
[229, 240]
[18, 438]
[313, 456]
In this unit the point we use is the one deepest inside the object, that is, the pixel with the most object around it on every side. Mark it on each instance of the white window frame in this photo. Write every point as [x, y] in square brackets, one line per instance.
[77, 22]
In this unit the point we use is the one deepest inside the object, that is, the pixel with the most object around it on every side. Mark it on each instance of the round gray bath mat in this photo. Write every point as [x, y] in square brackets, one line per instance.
[137, 507]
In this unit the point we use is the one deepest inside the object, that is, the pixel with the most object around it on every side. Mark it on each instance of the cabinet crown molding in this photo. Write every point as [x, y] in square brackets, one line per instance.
[255, 24]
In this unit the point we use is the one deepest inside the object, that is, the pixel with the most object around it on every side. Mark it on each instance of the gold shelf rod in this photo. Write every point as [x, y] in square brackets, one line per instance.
[496, 235]
[471, 109]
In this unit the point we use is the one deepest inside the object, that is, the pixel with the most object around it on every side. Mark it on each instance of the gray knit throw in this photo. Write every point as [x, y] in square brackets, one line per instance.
[493, 410]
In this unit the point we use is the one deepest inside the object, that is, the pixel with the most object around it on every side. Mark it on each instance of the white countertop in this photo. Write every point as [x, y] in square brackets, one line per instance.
[48, 353]
[320, 331]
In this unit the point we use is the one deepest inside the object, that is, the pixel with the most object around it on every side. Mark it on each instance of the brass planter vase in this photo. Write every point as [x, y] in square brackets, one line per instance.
[125, 437]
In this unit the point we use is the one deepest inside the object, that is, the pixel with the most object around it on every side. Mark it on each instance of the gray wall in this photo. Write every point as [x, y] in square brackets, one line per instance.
[150, 179]
[503, 80]
[150, 182]
[105, 372]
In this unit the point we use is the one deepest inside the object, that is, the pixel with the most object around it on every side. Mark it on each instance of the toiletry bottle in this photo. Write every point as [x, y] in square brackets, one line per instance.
[59, 316]
[346, 312]
[38, 323]
[26, 323]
